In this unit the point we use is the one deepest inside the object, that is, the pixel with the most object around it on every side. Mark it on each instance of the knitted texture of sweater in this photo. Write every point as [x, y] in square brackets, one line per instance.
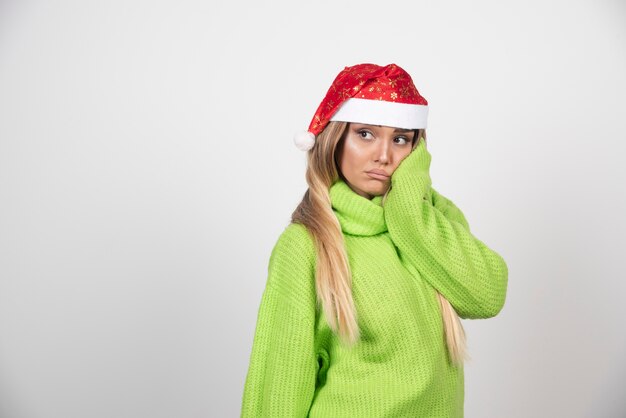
[399, 255]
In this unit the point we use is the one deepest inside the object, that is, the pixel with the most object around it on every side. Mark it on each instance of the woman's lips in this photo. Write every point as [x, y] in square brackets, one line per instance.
[377, 175]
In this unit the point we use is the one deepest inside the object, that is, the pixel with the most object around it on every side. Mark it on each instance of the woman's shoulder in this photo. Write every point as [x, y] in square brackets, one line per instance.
[295, 243]
[292, 265]
[298, 232]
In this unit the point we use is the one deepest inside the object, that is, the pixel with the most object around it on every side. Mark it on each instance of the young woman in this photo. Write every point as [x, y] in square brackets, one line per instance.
[366, 285]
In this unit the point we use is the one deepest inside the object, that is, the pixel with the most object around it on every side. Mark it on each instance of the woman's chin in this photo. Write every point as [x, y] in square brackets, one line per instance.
[376, 190]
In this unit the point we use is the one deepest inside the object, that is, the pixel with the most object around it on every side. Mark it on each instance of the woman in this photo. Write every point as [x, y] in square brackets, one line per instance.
[366, 285]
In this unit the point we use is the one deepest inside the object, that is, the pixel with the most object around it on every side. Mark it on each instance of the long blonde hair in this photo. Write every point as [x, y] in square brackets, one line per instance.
[333, 282]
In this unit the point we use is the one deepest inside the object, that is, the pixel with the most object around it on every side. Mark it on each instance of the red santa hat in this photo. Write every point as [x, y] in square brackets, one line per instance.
[370, 94]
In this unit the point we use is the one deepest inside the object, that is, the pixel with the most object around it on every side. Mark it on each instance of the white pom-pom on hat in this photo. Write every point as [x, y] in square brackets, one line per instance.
[304, 140]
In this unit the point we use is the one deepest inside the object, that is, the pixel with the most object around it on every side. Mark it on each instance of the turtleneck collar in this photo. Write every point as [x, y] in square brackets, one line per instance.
[357, 214]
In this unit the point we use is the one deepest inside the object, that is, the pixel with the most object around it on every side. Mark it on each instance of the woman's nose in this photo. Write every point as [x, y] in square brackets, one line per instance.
[383, 152]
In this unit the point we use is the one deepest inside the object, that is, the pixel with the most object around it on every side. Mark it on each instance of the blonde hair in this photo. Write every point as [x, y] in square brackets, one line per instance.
[333, 281]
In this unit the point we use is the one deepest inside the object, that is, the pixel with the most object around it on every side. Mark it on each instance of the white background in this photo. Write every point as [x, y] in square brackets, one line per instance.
[147, 168]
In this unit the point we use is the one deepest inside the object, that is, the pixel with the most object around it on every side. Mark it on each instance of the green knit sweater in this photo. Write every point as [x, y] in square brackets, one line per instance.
[420, 241]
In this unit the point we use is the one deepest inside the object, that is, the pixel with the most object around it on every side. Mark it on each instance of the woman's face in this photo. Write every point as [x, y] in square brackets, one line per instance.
[366, 149]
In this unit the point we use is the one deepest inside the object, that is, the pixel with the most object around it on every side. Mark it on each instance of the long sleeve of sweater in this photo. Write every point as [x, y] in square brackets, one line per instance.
[448, 208]
[439, 244]
[283, 367]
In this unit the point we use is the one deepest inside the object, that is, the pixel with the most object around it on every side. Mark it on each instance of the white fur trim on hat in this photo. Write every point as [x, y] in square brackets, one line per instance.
[304, 140]
[382, 112]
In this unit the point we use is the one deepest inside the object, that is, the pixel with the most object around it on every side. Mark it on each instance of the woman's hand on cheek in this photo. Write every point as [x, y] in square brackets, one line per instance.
[417, 161]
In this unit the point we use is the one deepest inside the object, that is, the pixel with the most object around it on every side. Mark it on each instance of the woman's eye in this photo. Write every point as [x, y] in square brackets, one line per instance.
[406, 140]
[364, 134]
